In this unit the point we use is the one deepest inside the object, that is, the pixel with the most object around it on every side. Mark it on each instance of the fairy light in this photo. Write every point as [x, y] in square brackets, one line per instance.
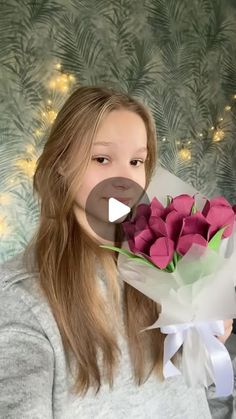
[71, 78]
[30, 149]
[38, 132]
[52, 84]
[227, 108]
[218, 135]
[13, 181]
[4, 228]
[27, 166]
[61, 82]
[185, 154]
[234, 96]
[51, 115]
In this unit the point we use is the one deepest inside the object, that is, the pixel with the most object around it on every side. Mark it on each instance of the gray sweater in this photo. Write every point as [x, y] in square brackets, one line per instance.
[34, 379]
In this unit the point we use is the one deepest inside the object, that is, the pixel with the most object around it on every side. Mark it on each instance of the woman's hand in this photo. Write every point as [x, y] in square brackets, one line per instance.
[228, 329]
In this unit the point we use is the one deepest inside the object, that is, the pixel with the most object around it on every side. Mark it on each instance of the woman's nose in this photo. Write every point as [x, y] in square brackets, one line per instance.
[124, 172]
[121, 183]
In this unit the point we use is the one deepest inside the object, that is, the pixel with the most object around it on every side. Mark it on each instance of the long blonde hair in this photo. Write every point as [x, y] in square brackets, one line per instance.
[67, 258]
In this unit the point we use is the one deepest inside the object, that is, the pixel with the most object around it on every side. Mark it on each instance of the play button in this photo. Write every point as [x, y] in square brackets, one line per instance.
[110, 203]
[116, 210]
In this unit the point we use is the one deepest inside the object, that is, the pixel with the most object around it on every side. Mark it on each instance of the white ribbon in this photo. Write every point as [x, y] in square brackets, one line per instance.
[221, 362]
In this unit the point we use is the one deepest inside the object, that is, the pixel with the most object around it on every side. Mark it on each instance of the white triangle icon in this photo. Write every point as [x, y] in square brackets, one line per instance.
[116, 209]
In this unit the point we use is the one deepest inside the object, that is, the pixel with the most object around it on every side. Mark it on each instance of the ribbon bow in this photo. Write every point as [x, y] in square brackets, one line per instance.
[221, 362]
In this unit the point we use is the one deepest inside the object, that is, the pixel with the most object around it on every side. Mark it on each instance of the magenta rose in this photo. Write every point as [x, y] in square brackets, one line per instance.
[195, 229]
[182, 204]
[219, 213]
[145, 238]
[157, 232]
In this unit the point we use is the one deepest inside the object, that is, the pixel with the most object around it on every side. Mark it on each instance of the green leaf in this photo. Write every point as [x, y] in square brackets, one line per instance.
[169, 200]
[215, 241]
[194, 209]
[118, 249]
[175, 258]
[139, 259]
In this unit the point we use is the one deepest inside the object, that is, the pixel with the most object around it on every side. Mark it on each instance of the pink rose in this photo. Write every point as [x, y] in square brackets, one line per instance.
[182, 204]
[157, 232]
[144, 237]
[195, 229]
[219, 213]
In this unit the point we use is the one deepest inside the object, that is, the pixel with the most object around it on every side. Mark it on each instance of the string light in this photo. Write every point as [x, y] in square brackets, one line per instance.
[218, 135]
[4, 228]
[38, 132]
[62, 82]
[30, 149]
[13, 182]
[27, 166]
[227, 108]
[71, 78]
[49, 115]
[185, 154]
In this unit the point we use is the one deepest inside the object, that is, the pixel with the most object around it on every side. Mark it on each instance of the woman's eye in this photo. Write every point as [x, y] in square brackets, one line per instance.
[140, 161]
[99, 159]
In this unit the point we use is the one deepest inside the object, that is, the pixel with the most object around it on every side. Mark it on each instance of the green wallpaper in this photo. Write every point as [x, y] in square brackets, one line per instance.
[178, 56]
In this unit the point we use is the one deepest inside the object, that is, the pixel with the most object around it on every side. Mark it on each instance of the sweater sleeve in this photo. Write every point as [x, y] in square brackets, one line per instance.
[26, 363]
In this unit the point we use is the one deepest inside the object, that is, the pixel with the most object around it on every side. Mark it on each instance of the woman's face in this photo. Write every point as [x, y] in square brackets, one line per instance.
[119, 151]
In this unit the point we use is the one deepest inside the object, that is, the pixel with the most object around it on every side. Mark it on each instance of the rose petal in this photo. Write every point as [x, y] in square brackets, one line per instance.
[141, 223]
[217, 201]
[185, 242]
[143, 240]
[174, 222]
[158, 226]
[162, 252]
[142, 210]
[157, 208]
[219, 217]
[196, 224]
[182, 204]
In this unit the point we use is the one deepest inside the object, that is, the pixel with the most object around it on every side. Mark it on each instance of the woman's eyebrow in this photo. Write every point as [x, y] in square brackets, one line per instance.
[107, 143]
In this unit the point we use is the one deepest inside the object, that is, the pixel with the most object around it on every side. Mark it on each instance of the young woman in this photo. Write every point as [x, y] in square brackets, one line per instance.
[69, 329]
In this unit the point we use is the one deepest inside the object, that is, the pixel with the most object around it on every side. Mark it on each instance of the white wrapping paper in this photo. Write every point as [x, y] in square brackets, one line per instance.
[194, 299]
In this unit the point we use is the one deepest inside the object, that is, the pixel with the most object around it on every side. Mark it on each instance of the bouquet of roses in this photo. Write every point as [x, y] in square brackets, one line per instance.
[183, 258]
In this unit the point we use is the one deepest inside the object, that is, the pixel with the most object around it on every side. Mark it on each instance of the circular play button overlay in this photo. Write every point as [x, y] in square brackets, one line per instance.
[112, 202]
